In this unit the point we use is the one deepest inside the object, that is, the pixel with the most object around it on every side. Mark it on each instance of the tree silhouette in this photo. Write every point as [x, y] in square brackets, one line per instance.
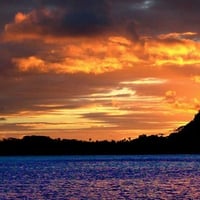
[185, 139]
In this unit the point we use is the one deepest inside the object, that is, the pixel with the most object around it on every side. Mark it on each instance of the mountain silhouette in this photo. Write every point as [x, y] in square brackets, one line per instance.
[187, 138]
[184, 140]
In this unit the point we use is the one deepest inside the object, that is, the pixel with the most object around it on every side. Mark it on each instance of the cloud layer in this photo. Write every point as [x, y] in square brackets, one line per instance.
[98, 69]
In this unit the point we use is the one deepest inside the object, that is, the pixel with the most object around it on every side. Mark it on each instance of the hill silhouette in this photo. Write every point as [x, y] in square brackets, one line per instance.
[184, 140]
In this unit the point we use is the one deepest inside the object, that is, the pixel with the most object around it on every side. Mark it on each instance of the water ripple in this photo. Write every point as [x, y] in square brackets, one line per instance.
[100, 177]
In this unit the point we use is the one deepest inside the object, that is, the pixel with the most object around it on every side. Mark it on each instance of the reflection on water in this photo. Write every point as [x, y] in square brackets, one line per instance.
[100, 177]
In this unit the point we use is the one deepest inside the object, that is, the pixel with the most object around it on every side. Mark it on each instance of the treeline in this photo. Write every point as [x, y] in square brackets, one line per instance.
[185, 140]
[41, 145]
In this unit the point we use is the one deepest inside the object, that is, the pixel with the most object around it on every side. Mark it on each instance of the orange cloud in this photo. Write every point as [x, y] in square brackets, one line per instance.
[98, 54]
[107, 54]
[167, 51]
[19, 18]
[196, 79]
[31, 63]
[103, 55]
[177, 35]
[170, 96]
[99, 69]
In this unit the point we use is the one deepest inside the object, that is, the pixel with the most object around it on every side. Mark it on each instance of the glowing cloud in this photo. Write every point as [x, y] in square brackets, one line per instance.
[144, 81]
[98, 69]
[113, 53]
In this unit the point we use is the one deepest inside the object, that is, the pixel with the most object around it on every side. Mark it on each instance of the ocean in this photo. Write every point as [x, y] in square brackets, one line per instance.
[148, 177]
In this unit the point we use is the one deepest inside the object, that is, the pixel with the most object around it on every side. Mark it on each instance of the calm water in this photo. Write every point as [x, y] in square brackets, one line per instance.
[100, 177]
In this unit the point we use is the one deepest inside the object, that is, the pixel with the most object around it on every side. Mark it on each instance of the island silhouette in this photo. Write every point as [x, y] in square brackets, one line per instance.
[184, 140]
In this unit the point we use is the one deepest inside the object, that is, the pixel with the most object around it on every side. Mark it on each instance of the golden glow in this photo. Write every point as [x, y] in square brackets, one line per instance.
[148, 80]
[20, 17]
[117, 107]
[182, 52]
[30, 63]
[196, 79]
[114, 53]
[176, 35]
[115, 93]
[106, 86]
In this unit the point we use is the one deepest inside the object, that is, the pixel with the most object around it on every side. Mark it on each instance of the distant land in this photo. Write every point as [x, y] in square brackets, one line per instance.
[184, 140]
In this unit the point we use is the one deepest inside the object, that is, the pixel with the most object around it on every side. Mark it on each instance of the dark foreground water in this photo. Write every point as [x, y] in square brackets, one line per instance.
[100, 177]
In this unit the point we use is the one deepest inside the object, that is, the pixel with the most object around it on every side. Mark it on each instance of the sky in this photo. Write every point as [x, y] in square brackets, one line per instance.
[99, 69]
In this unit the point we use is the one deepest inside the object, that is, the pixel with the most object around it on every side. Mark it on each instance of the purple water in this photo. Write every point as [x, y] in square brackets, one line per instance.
[100, 177]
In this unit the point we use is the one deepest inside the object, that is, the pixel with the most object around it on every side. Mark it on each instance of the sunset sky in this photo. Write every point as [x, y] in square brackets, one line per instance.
[99, 69]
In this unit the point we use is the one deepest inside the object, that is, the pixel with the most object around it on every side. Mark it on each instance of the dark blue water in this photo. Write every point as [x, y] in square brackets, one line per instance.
[100, 177]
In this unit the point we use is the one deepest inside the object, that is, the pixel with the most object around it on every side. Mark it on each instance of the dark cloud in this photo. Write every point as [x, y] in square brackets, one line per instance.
[10, 50]
[2, 119]
[130, 121]
[73, 19]
[8, 10]
[33, 92]
[91, 18]
[85, 22]
[178, 5]
[171, 16]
